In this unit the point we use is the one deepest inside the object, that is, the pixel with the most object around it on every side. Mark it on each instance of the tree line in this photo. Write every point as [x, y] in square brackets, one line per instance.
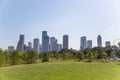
[8, 58]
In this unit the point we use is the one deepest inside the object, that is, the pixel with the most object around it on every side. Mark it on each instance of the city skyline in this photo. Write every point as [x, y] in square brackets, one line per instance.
[51, 43]
[75, 18]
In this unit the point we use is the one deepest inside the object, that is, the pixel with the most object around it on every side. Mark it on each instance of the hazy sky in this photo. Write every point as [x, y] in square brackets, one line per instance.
[73, 17]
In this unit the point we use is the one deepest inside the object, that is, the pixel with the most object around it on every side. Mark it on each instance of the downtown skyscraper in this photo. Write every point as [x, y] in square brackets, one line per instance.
[20, 45]
[29, 45]
[89, 44]
[11, 48]
[107, 44]
[45, 42]
[54, 46]
[83, 43]
[65, 42]
[99, 41]
[36, 45]
[52, 43]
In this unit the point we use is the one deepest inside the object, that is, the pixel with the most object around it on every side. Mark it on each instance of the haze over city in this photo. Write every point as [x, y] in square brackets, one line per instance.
[75, 18]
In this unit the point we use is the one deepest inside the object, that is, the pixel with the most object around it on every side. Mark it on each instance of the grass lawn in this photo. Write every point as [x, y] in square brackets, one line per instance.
[62, 71]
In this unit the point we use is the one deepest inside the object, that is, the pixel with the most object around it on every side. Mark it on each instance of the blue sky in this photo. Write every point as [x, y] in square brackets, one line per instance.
[73, 17]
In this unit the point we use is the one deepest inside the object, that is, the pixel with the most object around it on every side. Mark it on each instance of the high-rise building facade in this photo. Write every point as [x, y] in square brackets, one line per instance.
[59, 47]
[10, 48]
[40, 48]
[83, 43]
[52, 43]
[107, 44]
[36, 45]
[20, 45]
[45, 42]
[54, 46]
[89, 44]
[30, 45]
[99, 41]
[65, 42]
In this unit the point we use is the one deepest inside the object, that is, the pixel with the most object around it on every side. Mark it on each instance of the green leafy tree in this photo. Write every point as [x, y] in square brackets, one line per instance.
[102, 55]
[52, 55]
[14, 57]
[7, 56]
[100, 52]
[90, 56]
[2, 58]
[45, 57]
[80, 55]
[112, 55]
[29, 57]
[108, 51]
[64, 55]
[57, 56]
[24, 57]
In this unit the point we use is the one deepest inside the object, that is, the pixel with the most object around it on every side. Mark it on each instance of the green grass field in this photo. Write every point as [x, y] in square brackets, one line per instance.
[62, 71]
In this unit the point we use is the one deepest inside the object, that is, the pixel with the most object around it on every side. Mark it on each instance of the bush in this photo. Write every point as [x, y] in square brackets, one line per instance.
[45, 57]
[2, 58]
[14, 58]
[90, 56]
[7, 56]
[29, 57]
[80, 56]
[57, 56]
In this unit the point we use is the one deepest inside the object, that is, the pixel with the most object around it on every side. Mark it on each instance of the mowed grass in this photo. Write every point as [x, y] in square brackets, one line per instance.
[62, 71]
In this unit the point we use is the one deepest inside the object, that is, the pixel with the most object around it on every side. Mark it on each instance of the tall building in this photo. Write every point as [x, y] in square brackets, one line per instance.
[107, 43]
[83, 43]
[30, 45]
[10, 48]
[25, 47]
[20, 45]
[99, 41]
[65, 42]
[45, 42]
[40, 48]
[52, 43]
[36, 45]
[59, 47]
[54, 46]
[89, 44]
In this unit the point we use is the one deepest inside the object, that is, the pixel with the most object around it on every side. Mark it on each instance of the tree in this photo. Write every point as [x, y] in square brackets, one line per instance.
[7, 56]
[2, 58]
[57, 56]
[45, 57]
[112, 55]
[64, 55]
[108, 51]
[100, 52]
[102, 55]
[14, 57]
[80, 55]
[90, 56]
[29, 57]
[67, 54]
[52, 55]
